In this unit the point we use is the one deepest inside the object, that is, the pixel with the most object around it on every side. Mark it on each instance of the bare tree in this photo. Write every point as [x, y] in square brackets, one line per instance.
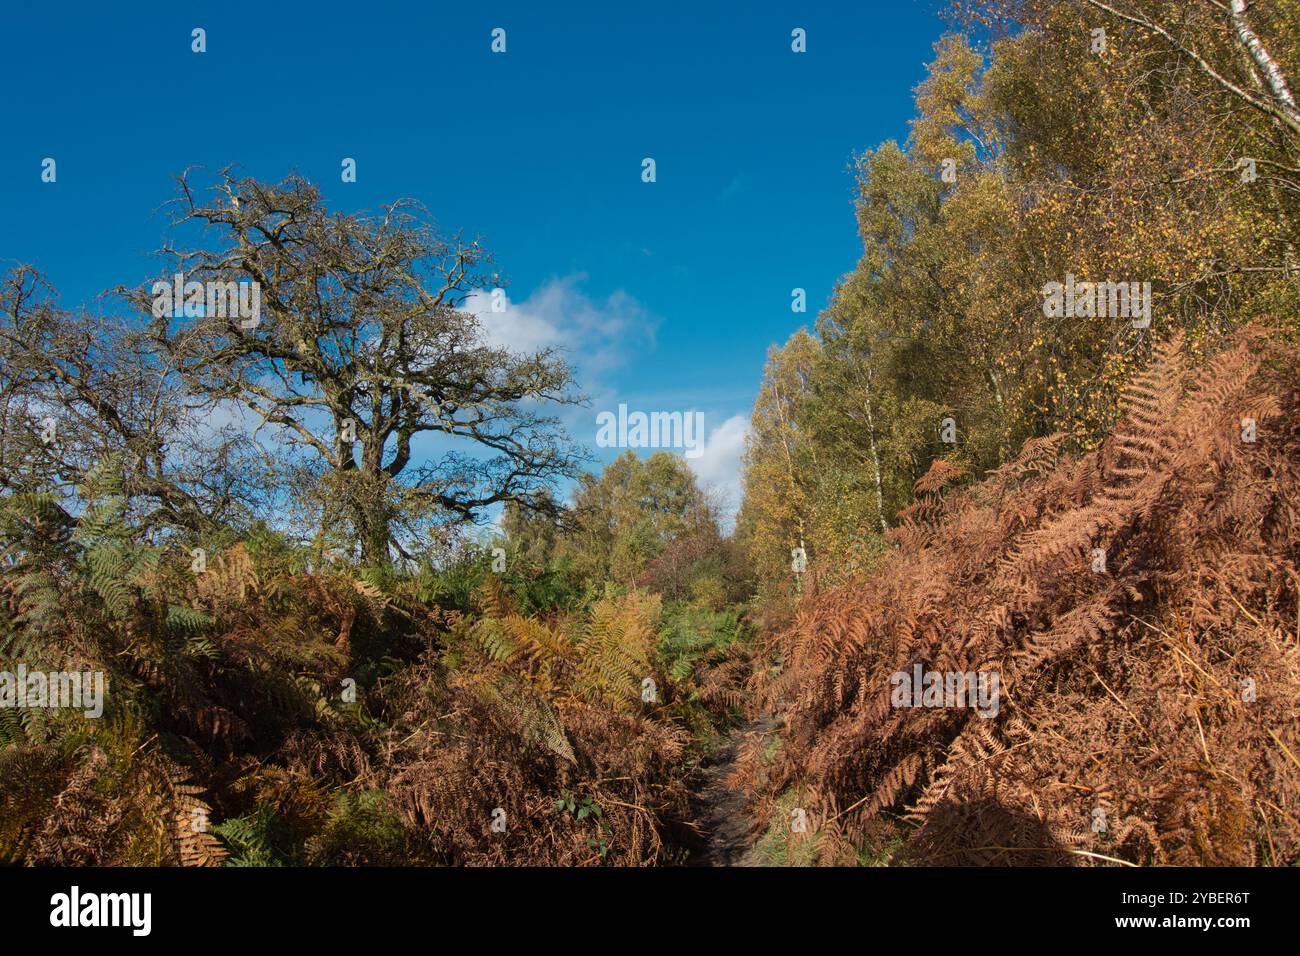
[362, 346]
[77, 388]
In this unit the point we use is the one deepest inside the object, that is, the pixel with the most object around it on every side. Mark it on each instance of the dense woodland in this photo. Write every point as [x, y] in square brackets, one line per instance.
[317, 656]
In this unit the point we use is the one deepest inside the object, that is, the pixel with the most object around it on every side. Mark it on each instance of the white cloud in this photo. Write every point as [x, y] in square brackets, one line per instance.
[597, 337]
[719, 466]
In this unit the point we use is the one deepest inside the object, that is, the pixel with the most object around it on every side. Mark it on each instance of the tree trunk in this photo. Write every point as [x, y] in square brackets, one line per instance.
[875, 453]
[373, 530]
[1259, 53]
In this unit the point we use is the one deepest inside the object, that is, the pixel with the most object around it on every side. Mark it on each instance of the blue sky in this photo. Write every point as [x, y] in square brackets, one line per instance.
[666, 294]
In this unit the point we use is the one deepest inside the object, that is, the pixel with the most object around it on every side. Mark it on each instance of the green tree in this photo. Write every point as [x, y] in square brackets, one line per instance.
[780, 462]
[627, 517]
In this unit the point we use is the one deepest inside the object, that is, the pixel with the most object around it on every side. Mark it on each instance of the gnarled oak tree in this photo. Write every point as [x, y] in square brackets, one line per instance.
[360, 348]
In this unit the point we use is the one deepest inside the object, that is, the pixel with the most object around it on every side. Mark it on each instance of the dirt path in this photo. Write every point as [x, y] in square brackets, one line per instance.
[719, 809]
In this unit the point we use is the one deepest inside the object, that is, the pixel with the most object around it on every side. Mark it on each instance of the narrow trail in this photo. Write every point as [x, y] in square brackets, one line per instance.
[721, 810]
